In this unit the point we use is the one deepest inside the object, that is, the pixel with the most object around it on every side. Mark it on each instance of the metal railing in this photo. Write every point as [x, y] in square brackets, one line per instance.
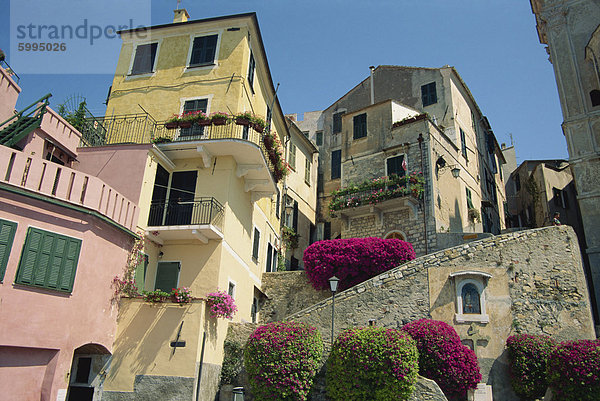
[198, 211]
[11, 73]
[23, 122]
[142, 128]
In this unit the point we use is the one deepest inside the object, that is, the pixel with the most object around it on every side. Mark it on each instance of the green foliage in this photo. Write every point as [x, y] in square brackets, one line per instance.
[233, 361]
[372, 363]
[290, 237]
[75, 118]
[528, 358]
[155, 296]
[574, 370]
[281, 360]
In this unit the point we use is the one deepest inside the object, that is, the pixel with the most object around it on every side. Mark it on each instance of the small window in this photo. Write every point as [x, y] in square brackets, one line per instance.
[517, 182]
[256, 244]
[336, 164]
[319, 138]
[595, 97]
[278, 204]
[167, 276]
[428, 94]
[560, 198]
[191, 106]
[251, 68]
[204, 49]
[307, 166]
[292, 156]
[396, 166]
[337, 122]
[145, 56]
[140, 271]
[231, 289]
[268, 117]
[254, 309]
[7, 235]
[48, 260]
[269, 260]
[463, 143]
[360, 126]
[469, 199]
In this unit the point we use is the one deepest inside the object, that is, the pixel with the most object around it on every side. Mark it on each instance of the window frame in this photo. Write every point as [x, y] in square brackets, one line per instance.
[477, 279]
[427, 94]
[359, 128]
[9, 244]
[338, 169]
[255, 245]
[292, 156]
[251, 70]
[319, 138]
[130, 73]
[189, 66]
[231, 284]
[463, 143]
[18, 275]
[307, 170]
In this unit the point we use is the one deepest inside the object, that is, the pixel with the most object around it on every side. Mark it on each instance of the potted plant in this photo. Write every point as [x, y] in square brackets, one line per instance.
[244, 118]
[219, 118]
[181, 295]
[258, 124]
[161, 139]
[187, 120]
[202, 119]
[172, 122]
[155, 296]
[221, 304]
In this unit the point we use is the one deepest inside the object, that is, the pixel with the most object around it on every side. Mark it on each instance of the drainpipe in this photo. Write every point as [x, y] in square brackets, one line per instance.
[420, 139]
[372, 68]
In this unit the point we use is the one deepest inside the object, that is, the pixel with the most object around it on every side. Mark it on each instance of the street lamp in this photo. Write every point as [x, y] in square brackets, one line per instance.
[333, 285]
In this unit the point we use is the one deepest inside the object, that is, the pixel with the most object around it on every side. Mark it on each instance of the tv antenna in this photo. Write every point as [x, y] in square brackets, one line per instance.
[178, 4]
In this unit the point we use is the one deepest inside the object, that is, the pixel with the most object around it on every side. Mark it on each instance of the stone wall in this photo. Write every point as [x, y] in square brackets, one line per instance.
[287, 293]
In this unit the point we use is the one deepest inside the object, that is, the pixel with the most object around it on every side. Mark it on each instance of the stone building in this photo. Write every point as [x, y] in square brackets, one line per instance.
[403, 121]
[571, 31]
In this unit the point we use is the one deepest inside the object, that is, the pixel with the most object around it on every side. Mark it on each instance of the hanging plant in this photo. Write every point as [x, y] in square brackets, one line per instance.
[172, 122]
[221, 304]
[258, 124]
[244, 118]
[290, 237]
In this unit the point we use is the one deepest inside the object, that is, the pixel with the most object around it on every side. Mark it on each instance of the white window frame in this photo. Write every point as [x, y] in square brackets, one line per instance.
[135, 46]
[230, 281]
[215, 63]
[391, 157]
[479, 280]
[256, 261]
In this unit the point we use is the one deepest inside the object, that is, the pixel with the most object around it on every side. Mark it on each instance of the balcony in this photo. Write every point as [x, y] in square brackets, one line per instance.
[378, 195]
[243, 143]
[195, 219]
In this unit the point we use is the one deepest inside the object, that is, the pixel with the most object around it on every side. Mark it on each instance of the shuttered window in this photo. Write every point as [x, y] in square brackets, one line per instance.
[7, 235]
[48, 260]
[428, 94]
[204, 50]
[140, 271]
[336, 164]
[256, 244]
[360, 126]
[167, 276]
[145, 55]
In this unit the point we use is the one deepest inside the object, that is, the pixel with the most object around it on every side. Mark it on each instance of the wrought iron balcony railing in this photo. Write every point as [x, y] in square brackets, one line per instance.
[142, 128]
[198, 211]
[377, 191]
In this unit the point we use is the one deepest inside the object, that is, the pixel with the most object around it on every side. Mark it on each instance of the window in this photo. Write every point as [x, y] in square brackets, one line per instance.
[336, 164]
[167, 276]
[204, 49]
[269, 260]
[256, 244]
[595, 97]
[337, 122]
[231, 289]
[275, 261]
[278, 204]
[268, 118]
[307, 171]
[48, 260]
[470, 296]
[428, 94]
[517, 182]
[319, 138]
[140, 271]
[7, 235]
[560, 198]
[254, 309]
[463, 143]
[292, 156]
[251, 68]
[396, 165]
[469, 199]
[360, 126]
[145, 57]
[188, 107]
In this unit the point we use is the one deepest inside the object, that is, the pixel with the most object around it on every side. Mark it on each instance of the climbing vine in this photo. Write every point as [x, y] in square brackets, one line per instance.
[126, 285]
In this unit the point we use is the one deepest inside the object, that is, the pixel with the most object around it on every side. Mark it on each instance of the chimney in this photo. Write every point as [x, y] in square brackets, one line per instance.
[181, 15]
[372, 68]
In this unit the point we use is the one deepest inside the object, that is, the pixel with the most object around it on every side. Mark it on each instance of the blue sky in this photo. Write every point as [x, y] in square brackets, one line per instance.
[318, 50]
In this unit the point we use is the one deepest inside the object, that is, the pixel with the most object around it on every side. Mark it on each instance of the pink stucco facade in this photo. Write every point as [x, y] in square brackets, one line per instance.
[9, 92]
[42, 327]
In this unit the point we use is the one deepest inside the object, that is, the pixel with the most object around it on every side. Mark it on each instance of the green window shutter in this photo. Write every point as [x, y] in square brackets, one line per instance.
[167, 275]
[256, 244]
[7, 235]
[48, 260]
[140, 272]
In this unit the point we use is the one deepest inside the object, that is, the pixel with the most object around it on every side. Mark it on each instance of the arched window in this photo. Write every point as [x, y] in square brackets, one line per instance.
[470, 299]
[395, 235]
[595, 97]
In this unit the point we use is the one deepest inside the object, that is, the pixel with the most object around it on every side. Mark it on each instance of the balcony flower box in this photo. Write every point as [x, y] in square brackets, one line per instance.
[201, 119]
[258, 124]
[172, 122]
[219, 118]
[243, 119]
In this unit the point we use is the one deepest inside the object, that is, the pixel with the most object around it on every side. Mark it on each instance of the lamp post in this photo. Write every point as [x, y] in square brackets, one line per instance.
[333, 284]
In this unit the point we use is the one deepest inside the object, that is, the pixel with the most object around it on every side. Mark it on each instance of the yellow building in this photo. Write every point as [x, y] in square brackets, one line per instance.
[209, 196]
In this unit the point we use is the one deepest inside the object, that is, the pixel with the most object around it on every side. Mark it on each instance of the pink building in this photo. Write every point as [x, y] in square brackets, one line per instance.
[64, 235]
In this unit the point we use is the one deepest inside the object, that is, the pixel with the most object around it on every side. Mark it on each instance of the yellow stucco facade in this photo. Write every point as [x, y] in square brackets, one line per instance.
[232, 175]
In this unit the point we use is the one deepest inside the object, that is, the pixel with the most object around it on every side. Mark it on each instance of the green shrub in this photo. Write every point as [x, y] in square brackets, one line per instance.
[528, 360]
[232, 361]
[281, 360]
[372, 363]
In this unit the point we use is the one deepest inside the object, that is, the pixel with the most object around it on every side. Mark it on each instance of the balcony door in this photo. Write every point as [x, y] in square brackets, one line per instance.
[181, 198]
[190, 106]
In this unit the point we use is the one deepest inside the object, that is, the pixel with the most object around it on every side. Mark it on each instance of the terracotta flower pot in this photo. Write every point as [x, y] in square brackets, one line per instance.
[258, 128]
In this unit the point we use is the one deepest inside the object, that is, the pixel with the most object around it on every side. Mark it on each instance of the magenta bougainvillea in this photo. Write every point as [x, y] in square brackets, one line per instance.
[443, 358]
[372, 363]
[574, 371]
[221, 304]
[528, 359]
[353, 260]
[282, 359]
